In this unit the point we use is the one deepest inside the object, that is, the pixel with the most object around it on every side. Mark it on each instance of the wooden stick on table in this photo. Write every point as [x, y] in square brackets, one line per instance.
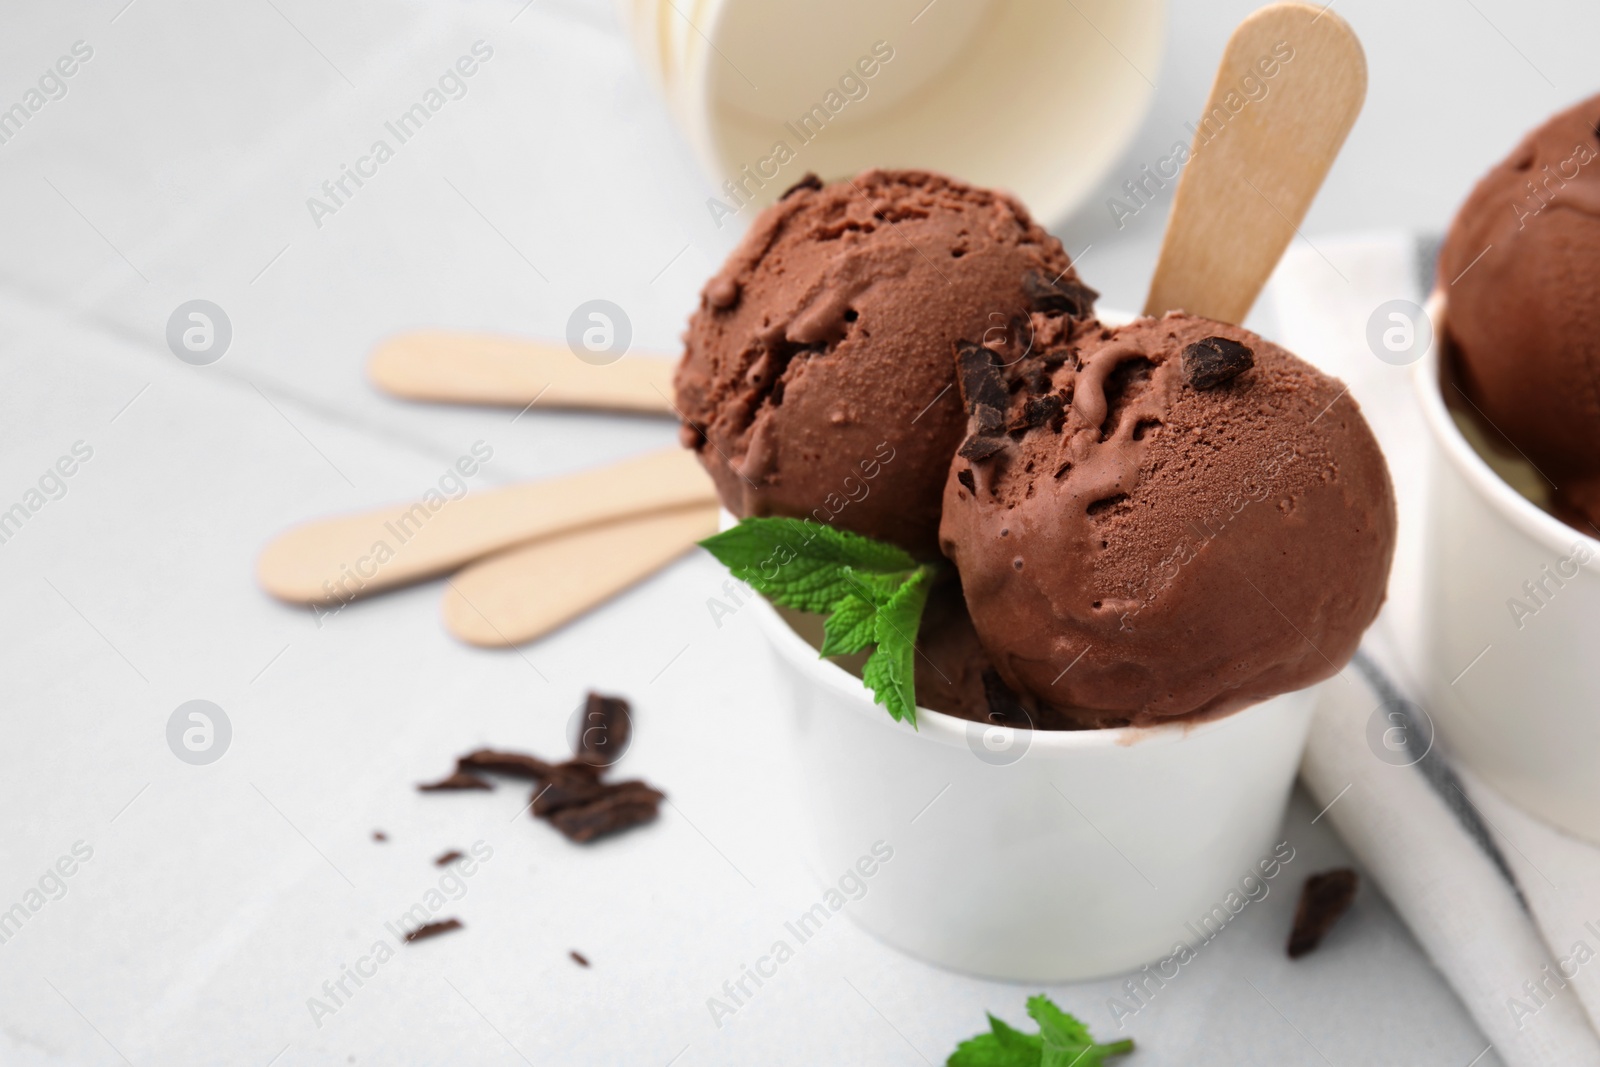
[469, 368]
[336, 560]
[524, 593]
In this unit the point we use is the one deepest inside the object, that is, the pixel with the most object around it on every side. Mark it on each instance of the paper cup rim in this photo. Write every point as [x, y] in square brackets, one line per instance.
[1522, 513]
[688, 92]
[937, 727]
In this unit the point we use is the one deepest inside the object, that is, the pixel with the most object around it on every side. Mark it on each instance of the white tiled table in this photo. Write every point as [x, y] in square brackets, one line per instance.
[218, 899]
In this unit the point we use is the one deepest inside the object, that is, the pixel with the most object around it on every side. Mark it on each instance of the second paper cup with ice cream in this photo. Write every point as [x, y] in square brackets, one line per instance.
[1510, 616]
[1030, 96]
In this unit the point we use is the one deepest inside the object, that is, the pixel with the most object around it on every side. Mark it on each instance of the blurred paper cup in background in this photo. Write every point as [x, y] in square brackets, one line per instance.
[1510, 618]
[1035, 97]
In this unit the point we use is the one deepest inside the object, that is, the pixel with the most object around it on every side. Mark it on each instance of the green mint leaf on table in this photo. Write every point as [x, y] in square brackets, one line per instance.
[1001, 1047]
[872, 594]
[1055, 1025]
[1062, 1041]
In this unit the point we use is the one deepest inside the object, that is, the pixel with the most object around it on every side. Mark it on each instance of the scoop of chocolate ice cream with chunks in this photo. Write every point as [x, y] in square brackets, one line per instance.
[1168, 518]
[823, 345]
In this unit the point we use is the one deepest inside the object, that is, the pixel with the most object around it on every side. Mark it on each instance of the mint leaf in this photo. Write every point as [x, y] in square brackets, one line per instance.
[801, 564]
[1001, 1047]
[872, 593]
[1055, 1025]
[850, 628]
[1063, 1041]
[891, 669]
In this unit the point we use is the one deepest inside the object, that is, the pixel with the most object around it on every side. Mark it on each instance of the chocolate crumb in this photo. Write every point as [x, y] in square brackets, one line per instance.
[964, 476]
[379, 835]
[624, 805]
[447, 859]
[979, 449]
[510, 764]
[579, 958]
[1070, 297]
[606, 727]
[810, 181]
[1212, 361]
[981, 380]
[427, 930]
[1323, 899]
[458, 780]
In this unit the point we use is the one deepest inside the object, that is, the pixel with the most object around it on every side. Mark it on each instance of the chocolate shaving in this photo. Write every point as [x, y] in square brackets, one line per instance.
[1212, 361]
[979, 449]
[570, 795]
[1038, 411]
[1325, 897]
[448, 858]
[810, 181]
[579, 958]
[379, 835]
[510, 764]
[606, 726]
[427, 930]
[573, 784]
[456, 781]
[1004, 707]
[1068, 296]
[624, 805]
[991, 421]
[964, 476]
[1036, 380]
[981, 380]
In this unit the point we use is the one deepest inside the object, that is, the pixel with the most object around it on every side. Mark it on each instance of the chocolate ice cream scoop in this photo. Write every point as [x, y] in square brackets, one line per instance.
[1521, 268]
[817, 378]
[1170, 518]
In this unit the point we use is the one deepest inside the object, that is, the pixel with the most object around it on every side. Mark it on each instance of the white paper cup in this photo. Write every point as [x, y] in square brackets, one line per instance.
[1037, 97]
[1041, 856]
[1516, 692]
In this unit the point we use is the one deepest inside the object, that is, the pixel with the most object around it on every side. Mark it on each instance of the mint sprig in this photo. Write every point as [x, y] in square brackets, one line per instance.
[1062, 1041]
[872, 594]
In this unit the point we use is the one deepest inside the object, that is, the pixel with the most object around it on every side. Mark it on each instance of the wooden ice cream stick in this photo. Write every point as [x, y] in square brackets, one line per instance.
[523, 593]
[336, 560]
[470, 368]
[1256, 164]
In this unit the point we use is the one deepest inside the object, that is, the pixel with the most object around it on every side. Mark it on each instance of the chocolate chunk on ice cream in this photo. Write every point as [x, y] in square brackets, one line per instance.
[1521, 267]
[1187, 535]
[817, 378]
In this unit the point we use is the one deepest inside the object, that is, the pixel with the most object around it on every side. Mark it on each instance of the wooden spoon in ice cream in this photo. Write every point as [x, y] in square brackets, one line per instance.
[1256, 164]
